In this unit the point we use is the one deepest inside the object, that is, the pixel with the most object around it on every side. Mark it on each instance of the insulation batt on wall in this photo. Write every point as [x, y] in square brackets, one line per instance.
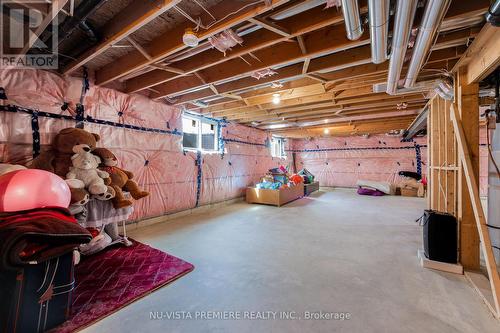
[342, 161]
[157, 160]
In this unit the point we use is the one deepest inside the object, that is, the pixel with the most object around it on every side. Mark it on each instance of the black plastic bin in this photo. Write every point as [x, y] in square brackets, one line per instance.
[440, 236]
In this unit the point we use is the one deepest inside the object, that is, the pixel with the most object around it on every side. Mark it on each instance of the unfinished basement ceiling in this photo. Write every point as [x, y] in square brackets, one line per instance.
[320, 81]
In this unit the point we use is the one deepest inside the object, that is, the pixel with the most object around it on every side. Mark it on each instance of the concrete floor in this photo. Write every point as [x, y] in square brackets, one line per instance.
[332, 252]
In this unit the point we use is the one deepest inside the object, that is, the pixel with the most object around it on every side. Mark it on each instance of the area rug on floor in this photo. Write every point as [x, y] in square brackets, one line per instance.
[108, 281]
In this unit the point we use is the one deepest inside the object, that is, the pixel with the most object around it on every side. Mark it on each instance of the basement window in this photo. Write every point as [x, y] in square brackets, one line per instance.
[278, 147]
[199, 134]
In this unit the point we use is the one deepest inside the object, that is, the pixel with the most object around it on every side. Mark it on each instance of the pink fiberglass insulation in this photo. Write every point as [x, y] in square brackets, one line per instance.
[342, 161]
[245, 161]
[157, 160]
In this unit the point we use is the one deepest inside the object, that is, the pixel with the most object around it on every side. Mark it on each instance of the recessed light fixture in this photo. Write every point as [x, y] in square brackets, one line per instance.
[276, 99]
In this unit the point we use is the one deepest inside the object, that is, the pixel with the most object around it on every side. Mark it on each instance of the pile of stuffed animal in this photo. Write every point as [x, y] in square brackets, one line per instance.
[90, 172]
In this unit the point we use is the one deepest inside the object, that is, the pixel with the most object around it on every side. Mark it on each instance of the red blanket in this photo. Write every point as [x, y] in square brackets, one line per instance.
[38, 235]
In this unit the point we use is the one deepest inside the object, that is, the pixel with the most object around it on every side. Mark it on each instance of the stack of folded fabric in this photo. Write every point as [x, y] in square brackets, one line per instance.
[36, 235]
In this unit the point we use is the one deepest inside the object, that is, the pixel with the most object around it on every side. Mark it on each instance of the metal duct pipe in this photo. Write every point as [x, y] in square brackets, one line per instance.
[446, 87]
[443, 94]
[378, 13]
[89, 31]
[493, 15]
[403, 22]
[70, 23]
[431, 21]
[353, 26]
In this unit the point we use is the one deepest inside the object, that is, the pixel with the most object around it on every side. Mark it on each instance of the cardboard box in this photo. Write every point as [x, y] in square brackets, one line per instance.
[409, 192]
[274, 197]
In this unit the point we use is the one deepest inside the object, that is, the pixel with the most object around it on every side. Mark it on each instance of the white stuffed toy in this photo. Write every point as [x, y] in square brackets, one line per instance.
[85, 169]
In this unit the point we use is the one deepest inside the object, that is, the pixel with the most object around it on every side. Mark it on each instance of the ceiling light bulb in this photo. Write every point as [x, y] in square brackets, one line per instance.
[276, 99]
[190, 38]
[326, 131]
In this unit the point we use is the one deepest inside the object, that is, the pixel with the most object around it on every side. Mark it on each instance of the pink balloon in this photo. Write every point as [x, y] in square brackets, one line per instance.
[30, 189]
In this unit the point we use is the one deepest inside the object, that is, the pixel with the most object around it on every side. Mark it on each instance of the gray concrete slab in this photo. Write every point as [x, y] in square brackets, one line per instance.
[332, 252]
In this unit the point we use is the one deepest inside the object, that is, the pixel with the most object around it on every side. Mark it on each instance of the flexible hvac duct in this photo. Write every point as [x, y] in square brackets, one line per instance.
[493, 15]
[431, 21]
[405, 13]
[445, 89]
[441, 93]
[353, 26]
[378, 13]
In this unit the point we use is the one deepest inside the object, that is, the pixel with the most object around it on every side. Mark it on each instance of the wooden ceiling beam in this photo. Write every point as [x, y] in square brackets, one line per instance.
[171, 41]
[332, 110]
[285, 87]
[169, 69]
[324, 115]
[298, 25]
[386, 117]
[313, 118]
[320, 101]
[133, 17]
[255, 112]
[325, 109]
[343, 131]
[318, 42]
[346, 129]
[347, 64]
[483, 55]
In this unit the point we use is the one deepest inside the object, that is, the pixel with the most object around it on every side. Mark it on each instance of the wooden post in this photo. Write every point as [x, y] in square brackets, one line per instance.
[467, 99]
[472, 187]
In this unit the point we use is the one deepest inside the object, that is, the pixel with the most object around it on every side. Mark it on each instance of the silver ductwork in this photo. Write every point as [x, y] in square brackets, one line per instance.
[353, 26]
[378, 16]
[431, 21]
[403, 22]
[420, 87]
[445, 89]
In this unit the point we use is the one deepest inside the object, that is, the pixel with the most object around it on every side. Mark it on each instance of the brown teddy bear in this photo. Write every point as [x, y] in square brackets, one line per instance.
[58, 159]
[120, 179]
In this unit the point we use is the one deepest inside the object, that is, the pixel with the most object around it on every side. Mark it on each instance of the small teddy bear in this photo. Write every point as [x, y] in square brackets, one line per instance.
[85, 169]
[120, 179]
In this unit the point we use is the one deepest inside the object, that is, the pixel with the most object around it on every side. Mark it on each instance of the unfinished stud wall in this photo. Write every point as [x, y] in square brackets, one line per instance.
[156, 159]
[443, 164]
[342, 161]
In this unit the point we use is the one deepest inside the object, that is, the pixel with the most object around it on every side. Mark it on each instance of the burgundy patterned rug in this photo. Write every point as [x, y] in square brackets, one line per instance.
[114, 278]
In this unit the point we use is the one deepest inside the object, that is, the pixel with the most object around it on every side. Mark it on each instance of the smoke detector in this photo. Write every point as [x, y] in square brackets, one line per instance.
[189, 38]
